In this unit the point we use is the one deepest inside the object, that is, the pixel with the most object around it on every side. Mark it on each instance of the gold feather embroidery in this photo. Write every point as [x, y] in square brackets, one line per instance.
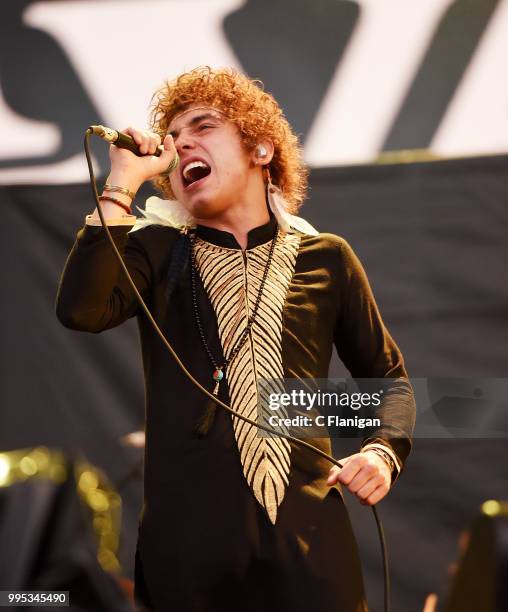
[232, 285]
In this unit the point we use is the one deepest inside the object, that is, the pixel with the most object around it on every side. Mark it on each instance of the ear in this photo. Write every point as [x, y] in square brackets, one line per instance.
[263, 152]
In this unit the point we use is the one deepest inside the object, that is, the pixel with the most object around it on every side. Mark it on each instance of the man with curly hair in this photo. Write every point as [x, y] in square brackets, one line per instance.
[244, 290]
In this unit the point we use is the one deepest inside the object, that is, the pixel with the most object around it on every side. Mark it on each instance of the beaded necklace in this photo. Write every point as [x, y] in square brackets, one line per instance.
[219, 371]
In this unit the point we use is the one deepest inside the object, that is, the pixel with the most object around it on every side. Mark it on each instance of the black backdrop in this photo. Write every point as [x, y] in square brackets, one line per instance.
[432, 237]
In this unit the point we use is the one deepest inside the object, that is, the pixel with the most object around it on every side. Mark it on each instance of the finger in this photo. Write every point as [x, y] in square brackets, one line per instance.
[140, 137]
[352, 468]
[377, 495]
[136, 134]
[169, 151]
[369, 487]
[340, 475]
[367, 473]
[145, 144]
[359, 481]
[335, 470]
[153, 142]
[169, 143]
[333, 475]
[161, 163]
[143, 138]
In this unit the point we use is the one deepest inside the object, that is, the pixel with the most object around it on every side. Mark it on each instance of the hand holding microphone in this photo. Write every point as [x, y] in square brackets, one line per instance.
[150, 158]
[136, 156]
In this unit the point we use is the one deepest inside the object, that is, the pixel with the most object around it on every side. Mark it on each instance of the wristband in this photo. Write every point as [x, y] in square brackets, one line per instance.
[115, 201]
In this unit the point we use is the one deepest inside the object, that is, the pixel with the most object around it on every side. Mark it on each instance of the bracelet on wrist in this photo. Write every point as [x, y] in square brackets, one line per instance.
[117, 189]
[115, 201]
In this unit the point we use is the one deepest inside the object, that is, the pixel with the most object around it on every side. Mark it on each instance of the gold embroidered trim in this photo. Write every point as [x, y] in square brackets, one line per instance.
[232, 286]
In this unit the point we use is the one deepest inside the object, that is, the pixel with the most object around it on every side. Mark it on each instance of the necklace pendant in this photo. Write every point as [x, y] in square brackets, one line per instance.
[217, 375]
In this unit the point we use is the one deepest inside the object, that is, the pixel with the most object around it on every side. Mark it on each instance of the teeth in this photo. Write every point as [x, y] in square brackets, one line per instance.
[194, 164]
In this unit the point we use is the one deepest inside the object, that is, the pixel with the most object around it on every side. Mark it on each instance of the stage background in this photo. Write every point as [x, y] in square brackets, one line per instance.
[358, 83]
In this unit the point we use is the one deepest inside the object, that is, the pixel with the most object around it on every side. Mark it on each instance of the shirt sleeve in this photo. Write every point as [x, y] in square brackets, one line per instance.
[122, 220]
[94, 293]
[369, 352]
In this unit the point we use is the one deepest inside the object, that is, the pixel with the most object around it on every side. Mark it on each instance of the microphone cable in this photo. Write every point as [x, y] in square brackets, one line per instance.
[165, 341]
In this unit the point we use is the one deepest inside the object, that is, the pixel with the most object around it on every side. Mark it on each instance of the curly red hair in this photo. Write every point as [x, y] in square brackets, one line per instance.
[254, 111]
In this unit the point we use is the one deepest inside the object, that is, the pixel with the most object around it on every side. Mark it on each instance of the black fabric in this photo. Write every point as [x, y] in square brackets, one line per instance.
[179, 263]
[47, 542]
[328, 286]
[258, 235]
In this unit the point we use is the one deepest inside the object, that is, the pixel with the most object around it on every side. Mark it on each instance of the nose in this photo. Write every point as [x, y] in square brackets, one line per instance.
[184, 141]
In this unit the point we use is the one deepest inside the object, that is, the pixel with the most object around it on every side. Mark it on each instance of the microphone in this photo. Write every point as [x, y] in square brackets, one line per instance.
[120, 140]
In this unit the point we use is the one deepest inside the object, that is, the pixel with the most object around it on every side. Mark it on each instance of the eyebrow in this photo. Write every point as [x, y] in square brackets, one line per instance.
[194, 121]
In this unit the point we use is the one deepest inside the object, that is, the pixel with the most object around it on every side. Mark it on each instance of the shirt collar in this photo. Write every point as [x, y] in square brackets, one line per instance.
[258, 235]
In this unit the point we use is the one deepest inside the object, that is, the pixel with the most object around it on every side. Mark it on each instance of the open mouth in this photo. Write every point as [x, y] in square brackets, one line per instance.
[195, 171]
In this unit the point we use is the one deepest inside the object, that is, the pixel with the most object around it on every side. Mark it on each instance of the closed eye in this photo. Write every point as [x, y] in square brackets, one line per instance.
[204, 126]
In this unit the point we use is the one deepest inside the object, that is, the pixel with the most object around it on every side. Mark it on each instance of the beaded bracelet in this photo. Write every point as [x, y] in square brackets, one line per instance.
[115, 201]
[117, 189]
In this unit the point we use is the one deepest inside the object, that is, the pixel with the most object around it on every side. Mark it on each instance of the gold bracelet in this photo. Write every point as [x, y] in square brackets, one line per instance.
[124, 190]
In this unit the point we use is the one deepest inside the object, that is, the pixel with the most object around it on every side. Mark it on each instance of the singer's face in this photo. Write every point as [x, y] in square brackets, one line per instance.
[213, 174]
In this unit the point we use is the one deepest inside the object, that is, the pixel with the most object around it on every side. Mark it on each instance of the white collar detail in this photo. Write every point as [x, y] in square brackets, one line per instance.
[173, 214]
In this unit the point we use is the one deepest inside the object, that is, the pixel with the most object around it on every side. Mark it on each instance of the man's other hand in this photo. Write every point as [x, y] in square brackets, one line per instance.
[365, 474]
